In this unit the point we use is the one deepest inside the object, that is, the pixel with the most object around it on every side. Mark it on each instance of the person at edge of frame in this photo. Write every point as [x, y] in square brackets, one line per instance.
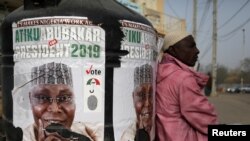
[208, 86]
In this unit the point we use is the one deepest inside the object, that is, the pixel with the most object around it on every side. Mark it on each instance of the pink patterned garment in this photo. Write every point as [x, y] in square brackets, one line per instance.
[183, 112]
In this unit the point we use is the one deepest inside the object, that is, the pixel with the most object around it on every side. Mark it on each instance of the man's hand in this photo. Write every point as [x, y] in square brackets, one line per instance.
[141, 133]
[40, 132]
[141, 123]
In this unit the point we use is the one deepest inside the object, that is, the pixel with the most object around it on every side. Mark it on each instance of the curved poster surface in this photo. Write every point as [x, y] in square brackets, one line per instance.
[59, 76]
[134, 89]
[59, 80]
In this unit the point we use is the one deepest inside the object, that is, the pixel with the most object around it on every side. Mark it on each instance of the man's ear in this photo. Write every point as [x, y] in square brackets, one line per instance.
[171, 50]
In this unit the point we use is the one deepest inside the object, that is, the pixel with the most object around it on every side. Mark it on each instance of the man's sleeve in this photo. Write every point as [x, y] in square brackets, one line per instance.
[195, 107]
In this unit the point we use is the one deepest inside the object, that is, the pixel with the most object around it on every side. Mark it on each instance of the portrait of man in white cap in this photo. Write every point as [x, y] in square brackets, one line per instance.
[143, 105]
[52, 101]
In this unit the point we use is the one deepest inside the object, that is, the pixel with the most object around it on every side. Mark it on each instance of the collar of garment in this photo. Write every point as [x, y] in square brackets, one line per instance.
[200, 77]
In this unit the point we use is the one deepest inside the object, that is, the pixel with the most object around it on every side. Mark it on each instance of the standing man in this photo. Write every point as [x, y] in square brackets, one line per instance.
[208, 86]
[183, 112]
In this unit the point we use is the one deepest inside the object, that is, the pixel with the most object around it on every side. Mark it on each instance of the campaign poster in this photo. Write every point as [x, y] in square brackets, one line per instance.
[58, 77]
[59, 80]
[134, 84]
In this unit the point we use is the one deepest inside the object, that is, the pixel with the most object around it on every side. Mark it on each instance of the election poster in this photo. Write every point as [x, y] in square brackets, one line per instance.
[60, 79]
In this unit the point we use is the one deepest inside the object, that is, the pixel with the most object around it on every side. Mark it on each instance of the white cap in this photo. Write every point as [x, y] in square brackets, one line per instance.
[173, 37]
[170, 39]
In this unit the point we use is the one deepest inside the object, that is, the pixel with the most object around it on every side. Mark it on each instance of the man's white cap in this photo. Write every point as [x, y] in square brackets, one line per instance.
[170, 39]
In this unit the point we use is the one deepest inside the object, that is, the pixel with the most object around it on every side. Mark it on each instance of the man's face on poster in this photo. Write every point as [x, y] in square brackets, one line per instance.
[143, 103]
[52, 103]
